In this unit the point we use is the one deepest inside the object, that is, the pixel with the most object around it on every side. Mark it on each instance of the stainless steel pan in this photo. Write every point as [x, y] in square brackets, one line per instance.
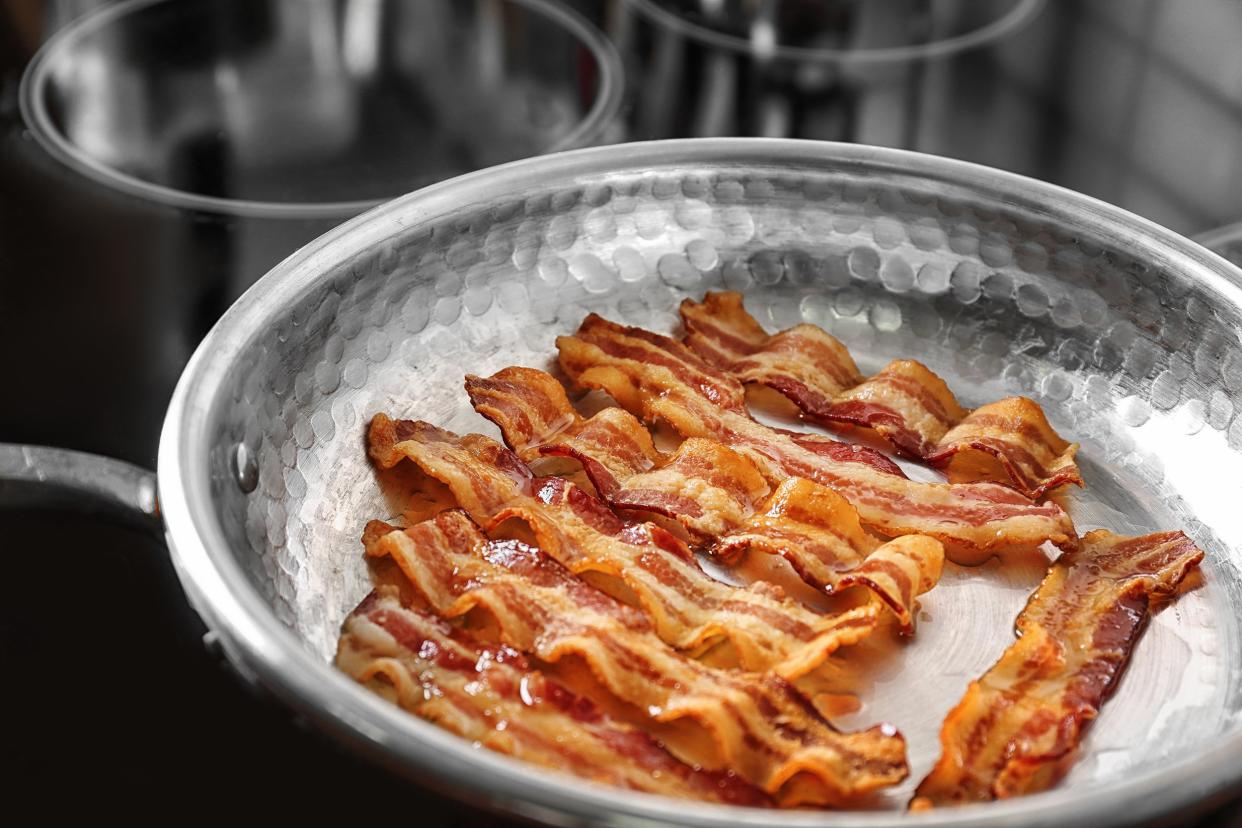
[1127, 333]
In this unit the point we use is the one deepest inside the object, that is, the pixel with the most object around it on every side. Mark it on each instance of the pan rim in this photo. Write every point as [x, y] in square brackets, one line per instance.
[262, 646]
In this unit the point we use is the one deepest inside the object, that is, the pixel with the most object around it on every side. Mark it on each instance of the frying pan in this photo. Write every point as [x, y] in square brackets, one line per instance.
[1127, 334]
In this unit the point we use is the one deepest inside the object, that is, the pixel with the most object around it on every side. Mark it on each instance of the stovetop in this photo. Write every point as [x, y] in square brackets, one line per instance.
[112, 701]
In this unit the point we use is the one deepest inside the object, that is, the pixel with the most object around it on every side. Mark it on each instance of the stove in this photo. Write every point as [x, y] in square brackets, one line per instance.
[115, 698]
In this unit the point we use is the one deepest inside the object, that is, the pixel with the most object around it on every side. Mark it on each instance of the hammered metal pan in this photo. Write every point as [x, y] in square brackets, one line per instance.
[1127, 334]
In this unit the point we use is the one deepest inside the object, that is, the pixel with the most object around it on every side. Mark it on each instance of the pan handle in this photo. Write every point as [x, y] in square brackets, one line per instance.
[51, 477]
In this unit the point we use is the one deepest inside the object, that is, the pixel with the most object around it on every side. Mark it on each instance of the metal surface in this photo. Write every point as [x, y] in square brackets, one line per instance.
[1138, 103]
[848, 70]
[1127, 333]
[1227, 241]
[191, 145]
[40, 477]
[903, 31]
[295, 109]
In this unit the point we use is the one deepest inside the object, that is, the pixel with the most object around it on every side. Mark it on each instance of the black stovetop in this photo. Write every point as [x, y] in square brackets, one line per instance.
[112, 703]
[111, 700]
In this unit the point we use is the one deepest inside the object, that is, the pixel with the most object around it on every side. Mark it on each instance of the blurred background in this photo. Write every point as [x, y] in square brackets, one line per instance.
[158, 156]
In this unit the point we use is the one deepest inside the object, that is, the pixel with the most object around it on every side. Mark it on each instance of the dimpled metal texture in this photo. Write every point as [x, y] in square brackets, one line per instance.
[1000, 285]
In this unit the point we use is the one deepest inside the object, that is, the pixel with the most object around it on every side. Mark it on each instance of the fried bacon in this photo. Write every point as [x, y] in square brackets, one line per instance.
[762, 728]
[818, 532]
[709, 488]
[719, 495]
[904, 403]
[537, 419]
[1017, 435]
[493, 696]
[617, 453]
[690, 609]
[804, 363]
[1017, 728]
[657, 378]
[615, 450]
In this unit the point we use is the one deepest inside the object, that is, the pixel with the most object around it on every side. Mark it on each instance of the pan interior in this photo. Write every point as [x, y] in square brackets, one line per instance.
[1130, 351]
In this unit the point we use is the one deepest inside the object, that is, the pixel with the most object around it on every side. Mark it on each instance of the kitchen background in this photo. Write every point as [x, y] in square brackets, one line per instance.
[160, 156]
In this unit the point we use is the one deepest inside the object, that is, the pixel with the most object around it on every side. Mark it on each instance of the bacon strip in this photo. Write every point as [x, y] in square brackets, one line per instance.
[709, 488]
[713, 491]
[690, 609]
[803, 522]
[537, 419]
[1016, 729]
[492, 695]
[905, 403]
[763, 729]
[804, 363]
[655, 375]
[819, 533]
[1016, 433]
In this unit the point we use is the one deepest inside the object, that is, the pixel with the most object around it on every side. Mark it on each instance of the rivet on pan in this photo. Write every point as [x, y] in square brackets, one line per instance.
[246, 468]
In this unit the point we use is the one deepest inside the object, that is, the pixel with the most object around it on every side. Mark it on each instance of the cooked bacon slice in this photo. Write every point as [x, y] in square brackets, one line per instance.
[492, 695]
[839, 452]
[905, 403]
[804, 363]
[717, 493]
[1016, 729]
[803, 515]
[653, 374]
[819, 533]
[537, 419]
[709, 488]
[690, 609]
[763, 729]
[1016, 433]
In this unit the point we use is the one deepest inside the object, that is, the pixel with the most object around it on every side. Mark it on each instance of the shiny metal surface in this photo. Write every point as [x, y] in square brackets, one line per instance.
[843, 70]
[41, 477]
[313, 108]
[1138, 103]
[1127, 333]
[1227, 241]
[848, 32]
[191, 145]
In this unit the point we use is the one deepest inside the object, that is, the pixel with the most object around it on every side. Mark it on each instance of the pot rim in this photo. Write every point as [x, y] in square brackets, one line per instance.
[33, 105]
[1022, 12]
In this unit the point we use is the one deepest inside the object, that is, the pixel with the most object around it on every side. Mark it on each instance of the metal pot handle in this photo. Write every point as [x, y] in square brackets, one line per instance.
[52, 477]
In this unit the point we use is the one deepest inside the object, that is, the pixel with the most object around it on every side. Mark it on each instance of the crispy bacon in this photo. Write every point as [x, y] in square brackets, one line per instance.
[715, 492]
[1016, 729]
[689, 608]
[805, 363]
[493, 696]
[819, 533]
[654, 376]
[763, 729]
[1016, 433]
[537, 419]
[709, 488]
[905, 403]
